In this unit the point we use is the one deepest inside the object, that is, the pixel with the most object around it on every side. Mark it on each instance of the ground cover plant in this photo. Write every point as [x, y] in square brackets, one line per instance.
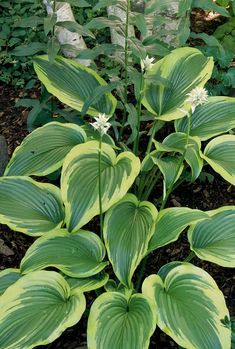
[107, 168]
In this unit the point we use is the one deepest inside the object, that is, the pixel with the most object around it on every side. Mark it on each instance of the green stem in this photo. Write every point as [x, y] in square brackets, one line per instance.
[141, 184]
[150, 188]
[179, 166]
[126, 66]
[141, 274]
[100, 187]
[54, 11]
[154, 130]
[190, 257]
[137, 140]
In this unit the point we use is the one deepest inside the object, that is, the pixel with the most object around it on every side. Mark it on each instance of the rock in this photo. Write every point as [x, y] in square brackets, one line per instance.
[117, 38]
[3, 155]
[5, 250]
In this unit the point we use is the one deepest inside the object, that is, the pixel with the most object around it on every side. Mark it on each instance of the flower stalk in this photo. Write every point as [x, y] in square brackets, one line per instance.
[128, 5]
[139, 109]
[101, 125]
[100, 185]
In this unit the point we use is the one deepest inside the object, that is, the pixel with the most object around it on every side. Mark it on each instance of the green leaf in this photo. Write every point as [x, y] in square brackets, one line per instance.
[37, 309]
[79, 3]
[105, 3]
[177, 141]
[219, 153]
[73, 84]
[43, 151]
[185, 68]
[78, 254]
[183, 30]
[80, 181]
[30, 207]
[210, 40]
[49, 23]
[211, 119]
[53, 47]
[103, 22]
[184, 7]
[7, 278]
[88, 284]
[190, 306]
[97, 94]
[170, 224]
[128, 227]
[210, 5]
[118, 321]
[171, 168]
[74, 27]
[28, 22]
[29, 50]
[214, 240]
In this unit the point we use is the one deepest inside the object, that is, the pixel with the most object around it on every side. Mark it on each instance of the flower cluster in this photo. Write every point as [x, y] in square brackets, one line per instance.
[146, 63]
[101, 124]
[197, 96]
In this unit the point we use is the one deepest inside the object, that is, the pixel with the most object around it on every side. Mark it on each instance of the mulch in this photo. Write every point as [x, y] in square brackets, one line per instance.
[199, 195]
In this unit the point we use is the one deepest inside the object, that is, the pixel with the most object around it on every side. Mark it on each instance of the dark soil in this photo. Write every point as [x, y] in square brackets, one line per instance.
[203, 196]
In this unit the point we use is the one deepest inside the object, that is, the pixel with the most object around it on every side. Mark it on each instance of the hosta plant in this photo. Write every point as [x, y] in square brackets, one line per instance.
[109, 183]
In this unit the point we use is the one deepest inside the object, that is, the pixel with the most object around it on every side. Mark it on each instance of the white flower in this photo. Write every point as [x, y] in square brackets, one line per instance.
[101, 124]
[146, 63]
[197, 96]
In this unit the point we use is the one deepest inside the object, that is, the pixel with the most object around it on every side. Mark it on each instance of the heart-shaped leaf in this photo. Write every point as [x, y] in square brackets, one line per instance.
[210, 119]
[73, 84]
[184, 68]
[128, 227]
[37, 309]
[118, 321]
[190, 306]
[7, 278]
[214, 239]
[78, 254]
[170, 224]
[43, 151]
[30, 207]
[80, 181]
[219, 153]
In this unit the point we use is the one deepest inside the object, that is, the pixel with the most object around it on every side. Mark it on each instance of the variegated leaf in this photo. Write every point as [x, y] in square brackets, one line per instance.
[74, 84]
[170, 224]
[30, 207]
[120, 321]
[128, 227]
[214, 239]
[43, 151]
[37, 309]
[78, 254]
[80, 181]
[219, 153]
[190, 306]
[180, 72]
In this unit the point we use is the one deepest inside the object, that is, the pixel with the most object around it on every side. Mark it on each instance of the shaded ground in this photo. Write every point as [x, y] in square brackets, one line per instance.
[203, 196]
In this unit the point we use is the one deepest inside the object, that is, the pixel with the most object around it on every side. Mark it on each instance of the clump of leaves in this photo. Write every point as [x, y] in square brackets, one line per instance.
[103, 176]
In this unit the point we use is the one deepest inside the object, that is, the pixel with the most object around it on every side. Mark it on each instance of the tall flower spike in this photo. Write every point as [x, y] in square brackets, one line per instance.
[146, 63]
[101, 124]
[197, 96]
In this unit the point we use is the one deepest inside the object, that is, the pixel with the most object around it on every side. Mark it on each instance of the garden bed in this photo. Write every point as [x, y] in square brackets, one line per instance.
[204, 196]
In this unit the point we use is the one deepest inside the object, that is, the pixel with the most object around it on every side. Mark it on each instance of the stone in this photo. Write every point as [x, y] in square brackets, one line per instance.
[3, 155]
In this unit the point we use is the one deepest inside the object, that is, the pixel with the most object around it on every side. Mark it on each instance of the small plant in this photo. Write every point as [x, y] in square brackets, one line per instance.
[20, 23]
[107, 175]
